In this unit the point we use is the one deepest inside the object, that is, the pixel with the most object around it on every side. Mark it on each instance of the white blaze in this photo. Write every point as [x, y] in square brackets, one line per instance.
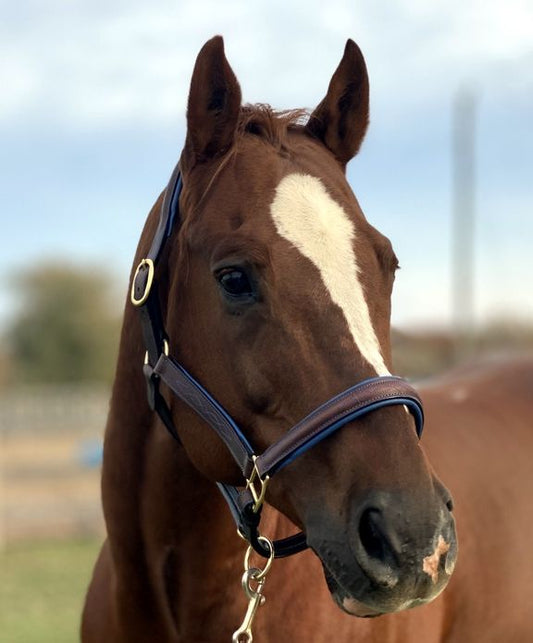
[306, 215]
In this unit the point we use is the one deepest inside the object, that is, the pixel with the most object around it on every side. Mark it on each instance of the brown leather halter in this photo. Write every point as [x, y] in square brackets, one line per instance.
[245, 503]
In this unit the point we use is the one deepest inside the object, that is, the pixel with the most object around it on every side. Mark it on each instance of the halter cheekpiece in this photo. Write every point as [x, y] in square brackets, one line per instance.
[245, 503]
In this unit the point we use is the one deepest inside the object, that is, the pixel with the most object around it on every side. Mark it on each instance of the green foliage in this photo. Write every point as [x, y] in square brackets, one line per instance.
[42, 589]
[67, 328]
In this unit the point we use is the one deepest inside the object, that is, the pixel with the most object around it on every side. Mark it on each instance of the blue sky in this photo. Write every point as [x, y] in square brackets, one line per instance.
[92, 118]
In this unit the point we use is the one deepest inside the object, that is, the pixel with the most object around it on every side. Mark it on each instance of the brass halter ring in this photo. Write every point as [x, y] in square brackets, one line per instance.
[258, 574]
[145, 264]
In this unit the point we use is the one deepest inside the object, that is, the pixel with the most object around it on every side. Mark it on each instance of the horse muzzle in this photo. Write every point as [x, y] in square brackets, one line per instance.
[391, 556]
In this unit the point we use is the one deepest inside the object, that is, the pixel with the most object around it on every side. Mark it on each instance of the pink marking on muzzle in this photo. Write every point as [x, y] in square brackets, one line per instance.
[430, 564]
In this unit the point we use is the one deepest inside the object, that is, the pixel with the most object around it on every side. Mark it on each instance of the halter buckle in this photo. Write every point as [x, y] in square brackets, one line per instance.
[139, 301]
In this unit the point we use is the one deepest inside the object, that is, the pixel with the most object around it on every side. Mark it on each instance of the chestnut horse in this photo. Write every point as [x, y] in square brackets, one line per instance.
[258, 272]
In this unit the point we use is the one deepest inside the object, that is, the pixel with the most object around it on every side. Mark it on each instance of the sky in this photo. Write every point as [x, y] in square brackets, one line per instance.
[92, 121]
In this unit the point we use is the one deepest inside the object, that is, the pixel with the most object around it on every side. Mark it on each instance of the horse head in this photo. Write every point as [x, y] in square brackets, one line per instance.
[279, 298]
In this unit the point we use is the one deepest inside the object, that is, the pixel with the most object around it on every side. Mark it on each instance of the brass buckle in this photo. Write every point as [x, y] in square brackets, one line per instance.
[149, 281]
[257, 494]
[166, 351]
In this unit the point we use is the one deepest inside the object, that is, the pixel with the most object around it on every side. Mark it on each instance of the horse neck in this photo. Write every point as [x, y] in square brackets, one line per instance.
[169, 528]
[173, 541]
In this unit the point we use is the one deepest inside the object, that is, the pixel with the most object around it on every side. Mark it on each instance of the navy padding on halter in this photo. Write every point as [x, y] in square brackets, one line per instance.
[174, 206]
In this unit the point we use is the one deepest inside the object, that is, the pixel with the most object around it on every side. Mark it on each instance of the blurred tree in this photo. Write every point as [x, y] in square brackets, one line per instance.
[68, 325]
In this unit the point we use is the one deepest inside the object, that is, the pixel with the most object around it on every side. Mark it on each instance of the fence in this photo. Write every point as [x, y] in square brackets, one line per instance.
[50, 453]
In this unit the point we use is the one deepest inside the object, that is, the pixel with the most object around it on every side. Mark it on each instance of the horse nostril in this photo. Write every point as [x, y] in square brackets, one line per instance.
[377, 556]
[370, 535]
[449, 504]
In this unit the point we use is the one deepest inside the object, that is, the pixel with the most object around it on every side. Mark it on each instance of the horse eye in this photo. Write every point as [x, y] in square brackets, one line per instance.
[235, 283]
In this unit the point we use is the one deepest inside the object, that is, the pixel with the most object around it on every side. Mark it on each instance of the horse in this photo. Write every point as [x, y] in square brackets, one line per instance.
[259, 323]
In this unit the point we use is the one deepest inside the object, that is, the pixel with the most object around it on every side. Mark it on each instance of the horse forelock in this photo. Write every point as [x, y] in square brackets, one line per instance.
[263, 123]
[270, 125]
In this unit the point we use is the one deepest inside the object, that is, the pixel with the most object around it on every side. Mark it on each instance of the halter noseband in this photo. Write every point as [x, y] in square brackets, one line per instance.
[245, 505]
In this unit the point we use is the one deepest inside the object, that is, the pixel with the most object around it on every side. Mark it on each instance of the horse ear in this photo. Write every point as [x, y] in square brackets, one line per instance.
[340, 121]
[213, 107]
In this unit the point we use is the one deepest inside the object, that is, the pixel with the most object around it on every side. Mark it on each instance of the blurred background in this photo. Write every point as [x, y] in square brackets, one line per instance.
[92, 121]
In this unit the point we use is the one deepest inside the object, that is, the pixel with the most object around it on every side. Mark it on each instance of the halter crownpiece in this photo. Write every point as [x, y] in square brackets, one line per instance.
[245, 504]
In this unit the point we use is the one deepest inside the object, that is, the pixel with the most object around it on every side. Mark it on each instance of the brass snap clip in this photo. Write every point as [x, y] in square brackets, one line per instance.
[253, 581]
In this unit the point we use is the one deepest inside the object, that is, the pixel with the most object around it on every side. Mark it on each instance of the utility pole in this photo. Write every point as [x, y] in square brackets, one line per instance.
[465, 110]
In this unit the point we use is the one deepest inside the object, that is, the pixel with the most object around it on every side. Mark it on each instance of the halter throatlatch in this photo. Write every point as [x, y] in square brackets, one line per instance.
[245, 503]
